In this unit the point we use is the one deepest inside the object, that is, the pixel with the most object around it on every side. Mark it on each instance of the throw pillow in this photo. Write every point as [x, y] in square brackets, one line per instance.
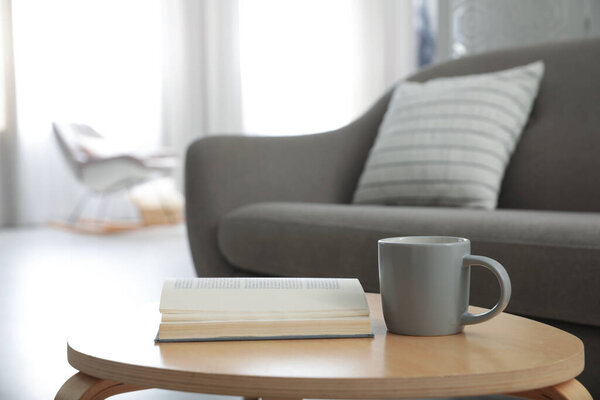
[447, 141]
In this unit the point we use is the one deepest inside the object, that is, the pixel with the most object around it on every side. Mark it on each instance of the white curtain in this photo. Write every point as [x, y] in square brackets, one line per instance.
[387, 51]
[8, 127]
[96, 62]
[165, 72]
[201, 71]
[275, 67]
[315, 65]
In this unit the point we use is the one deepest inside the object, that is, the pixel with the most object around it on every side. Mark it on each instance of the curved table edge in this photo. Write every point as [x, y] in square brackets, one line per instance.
[247, 386]
[84, 387]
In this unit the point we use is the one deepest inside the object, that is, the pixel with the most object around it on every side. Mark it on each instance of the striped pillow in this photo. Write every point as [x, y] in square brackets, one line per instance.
[447, 141]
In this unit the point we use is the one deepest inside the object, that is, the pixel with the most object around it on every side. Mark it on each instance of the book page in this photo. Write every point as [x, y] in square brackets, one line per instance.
[252, 298]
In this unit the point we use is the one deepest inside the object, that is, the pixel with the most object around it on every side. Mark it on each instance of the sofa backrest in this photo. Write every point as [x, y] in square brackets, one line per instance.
[556, 165]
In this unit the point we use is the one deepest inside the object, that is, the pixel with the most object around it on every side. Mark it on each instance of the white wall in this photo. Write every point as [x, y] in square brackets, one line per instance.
[474, 26]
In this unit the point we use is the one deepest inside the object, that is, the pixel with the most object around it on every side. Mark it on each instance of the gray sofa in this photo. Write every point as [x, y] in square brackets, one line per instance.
[281, 206]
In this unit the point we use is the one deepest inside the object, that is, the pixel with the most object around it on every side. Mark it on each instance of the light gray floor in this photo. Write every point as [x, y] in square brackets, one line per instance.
[52, 280]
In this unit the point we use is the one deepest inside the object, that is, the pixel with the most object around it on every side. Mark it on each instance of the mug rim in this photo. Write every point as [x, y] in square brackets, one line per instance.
[424, 240]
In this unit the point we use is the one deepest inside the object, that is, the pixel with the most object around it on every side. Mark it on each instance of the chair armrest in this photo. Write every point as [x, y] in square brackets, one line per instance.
[113, 173]
[124, 158]
[223, 173]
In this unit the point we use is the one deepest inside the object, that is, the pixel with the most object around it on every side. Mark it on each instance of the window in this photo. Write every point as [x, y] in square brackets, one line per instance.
[96, 62]
[299, 64]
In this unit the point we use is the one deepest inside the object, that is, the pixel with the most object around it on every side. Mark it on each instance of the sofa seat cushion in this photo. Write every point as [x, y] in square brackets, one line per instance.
[551, 257]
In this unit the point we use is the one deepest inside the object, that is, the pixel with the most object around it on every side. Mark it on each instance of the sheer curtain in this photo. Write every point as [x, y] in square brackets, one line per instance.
[144, 72]
[314, 65]
[201, 71]
[152, 72]
[8, 128]
[96, 62]
[273, 67]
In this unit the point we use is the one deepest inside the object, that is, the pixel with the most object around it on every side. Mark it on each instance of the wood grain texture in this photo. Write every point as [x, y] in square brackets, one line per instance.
[279, 398]
[570, 390]
[508, 354]
[84, 387]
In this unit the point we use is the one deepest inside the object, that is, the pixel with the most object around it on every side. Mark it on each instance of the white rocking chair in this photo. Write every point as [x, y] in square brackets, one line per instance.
[102, 168]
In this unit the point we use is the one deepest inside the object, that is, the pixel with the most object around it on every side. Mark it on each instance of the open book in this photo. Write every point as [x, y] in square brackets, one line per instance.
[203, 309]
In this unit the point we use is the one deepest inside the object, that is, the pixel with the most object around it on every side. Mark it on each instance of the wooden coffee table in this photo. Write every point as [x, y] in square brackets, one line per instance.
[507, 355]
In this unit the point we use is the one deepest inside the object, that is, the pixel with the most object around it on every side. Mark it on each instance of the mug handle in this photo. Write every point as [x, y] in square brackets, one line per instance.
[505, 288]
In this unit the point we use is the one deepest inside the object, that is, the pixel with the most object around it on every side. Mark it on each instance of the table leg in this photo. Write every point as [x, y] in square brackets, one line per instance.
[84, 387]
[570, 390]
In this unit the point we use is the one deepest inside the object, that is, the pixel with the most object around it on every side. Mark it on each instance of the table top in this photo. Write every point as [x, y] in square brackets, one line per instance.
[504, 355]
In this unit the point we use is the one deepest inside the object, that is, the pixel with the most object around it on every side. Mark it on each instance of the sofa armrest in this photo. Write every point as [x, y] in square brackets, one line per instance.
[225, 172]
